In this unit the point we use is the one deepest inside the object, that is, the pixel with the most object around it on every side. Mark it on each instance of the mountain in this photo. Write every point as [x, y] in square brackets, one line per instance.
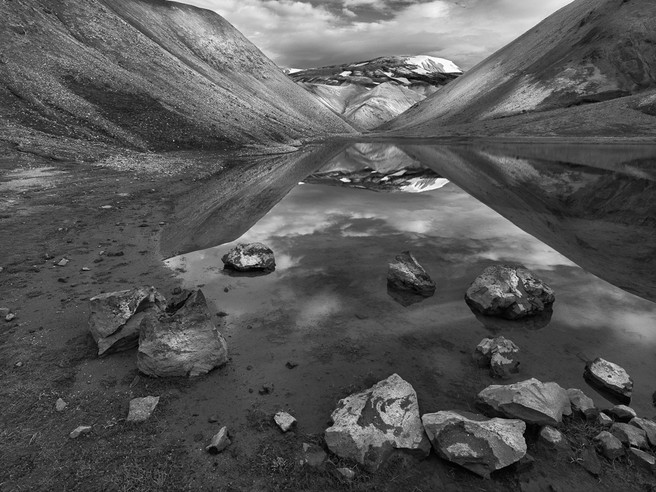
[144, 74]
[588, 52]
[369, 93]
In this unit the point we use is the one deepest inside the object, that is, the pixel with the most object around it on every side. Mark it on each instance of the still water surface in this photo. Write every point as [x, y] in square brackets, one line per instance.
[327, 308]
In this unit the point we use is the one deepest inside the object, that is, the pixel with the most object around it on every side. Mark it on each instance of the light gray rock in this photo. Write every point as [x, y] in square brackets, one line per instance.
[551, 438]
[219, 442]
[609, 377]
[285, 421]
[10, 317]
[474, 442]
[532, 401]
[405, 273]
[609, 445]
[621, 413]
[369, 426]
[250, 257]
[78, 431]
[185, 343]
[115, 317]
[604, 420]
[630, 435]
[142, 408]
[582, 404]
[509, 292]
[60, 405]
[347, 473]
[499, 355]
[642, 459]
[649, 426]
[502, 367]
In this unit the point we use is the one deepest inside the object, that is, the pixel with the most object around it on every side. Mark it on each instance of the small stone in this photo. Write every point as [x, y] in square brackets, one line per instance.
[60, 405]
[313, 455]
[347, 473]
[83, 429]
[142, 408]
[609, 377]
[19, 364]
[266, 389]
[219, 442]
[10, 317]
[611, 447]
[285, 421]
[552, 438]
[582, 404]
[291, 365]
[106, 207]
[643, 459]
[649, 426]
[63, 262]
[621, 413]
[604, 420]
[630, 435]
[85, 269]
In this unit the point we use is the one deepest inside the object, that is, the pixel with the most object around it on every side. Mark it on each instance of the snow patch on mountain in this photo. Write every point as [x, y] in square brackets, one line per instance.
[430, 64]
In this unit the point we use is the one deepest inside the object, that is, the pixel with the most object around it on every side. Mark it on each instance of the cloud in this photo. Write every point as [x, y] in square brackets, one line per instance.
[305, 34]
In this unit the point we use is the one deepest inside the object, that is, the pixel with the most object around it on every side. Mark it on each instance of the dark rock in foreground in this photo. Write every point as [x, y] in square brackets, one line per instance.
[253, 257]
[474, 442]
[509, 292]
[405, 273]
[610, 378]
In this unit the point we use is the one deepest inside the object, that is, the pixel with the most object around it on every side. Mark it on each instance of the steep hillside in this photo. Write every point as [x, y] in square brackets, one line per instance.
[147, 74]
[369, 93]
[587, 52]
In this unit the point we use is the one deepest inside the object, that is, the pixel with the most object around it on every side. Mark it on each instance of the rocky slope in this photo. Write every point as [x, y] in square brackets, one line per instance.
[146, 74]
[369, 93]
[587, 52]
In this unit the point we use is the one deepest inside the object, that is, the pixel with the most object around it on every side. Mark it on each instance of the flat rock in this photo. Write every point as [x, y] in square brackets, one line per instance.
[609, 377]
[474, 442]
[369, 426]
[642, 459]
[185, 343]
[609, 445]
[251, 257]
[582, 404]
[116, 316]
[621, 413]
[405, 273]
[78, 431]
[630, 435]
[142, 408]
[649, 426]
[219, 442]
[510, 292]
[532, 401]
[285, 421]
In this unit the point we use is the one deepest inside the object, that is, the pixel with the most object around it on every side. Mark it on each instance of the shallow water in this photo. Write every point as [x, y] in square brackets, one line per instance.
[326, 306]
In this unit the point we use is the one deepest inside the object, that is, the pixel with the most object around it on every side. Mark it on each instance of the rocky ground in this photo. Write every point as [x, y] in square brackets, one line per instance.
[105, 222]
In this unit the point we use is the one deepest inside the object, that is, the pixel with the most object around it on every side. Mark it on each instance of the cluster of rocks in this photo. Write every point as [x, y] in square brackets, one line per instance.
[177, 338]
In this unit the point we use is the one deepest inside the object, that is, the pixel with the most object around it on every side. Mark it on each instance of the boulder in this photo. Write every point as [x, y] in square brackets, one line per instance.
[582, 404]
[115, 317]
[649, 426]
[405, 273]
[532, 401]
[219, 442]
[509, 292]
[369, 426]
[474, 442]
[251, 257]
[184, 343]
[621, 413]
[142, 408]
[629, 435]
[285, 421]
[610, 378]
[609, 445]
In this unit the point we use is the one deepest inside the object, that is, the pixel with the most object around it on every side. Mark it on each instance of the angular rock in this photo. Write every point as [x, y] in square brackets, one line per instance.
[405, 273]
[185, 343]
[509, 292]
[249, 258]
[649, 426]
[532, 401]
[142, 408]
[313, 455]
[369, 426]
[609, 445]
[78, 431]
[501, 367]
[642, 459]
[551, 438]
[621, 413]
[604, 420]
[60, 405]
[630, 435]
[285, 421]
[487, 347]
[219, 442]
[115, 317]
[609, 377]
[582, 404]
[474, 442]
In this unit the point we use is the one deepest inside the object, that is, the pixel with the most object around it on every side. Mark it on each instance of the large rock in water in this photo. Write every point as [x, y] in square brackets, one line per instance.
[532, 401]
[609, 378]
[185, 343]
[509, 292]
[369, 426]
[251, 257]
[405, 273]
[474, 442]
[115, 317]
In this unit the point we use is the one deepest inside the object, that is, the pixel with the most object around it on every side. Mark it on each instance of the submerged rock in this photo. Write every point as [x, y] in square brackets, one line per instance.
[405, 273]
[474, 442]
[499, 355]
[610, 378]
[509, 292]
[185, 343]
[532, 401]
[142, 408]
[369, 426]
[250, 257]
[115, 317]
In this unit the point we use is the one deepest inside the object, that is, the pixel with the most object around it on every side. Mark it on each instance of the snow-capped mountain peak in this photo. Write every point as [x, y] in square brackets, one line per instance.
[430, 64]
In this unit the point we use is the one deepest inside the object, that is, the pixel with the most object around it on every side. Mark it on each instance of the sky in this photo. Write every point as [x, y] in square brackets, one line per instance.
[312, 33]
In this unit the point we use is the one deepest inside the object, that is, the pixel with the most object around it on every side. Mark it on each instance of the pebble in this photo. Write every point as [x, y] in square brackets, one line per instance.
[85, 269]
[106, 207]
[10, 317]
[60, 405]
[19, 364]
[347, 473]
[285, 421]
[63, 262]
[83, 429]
